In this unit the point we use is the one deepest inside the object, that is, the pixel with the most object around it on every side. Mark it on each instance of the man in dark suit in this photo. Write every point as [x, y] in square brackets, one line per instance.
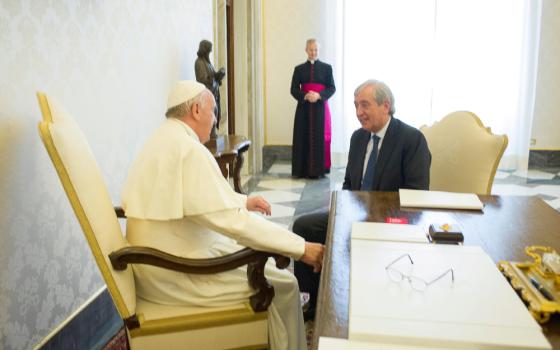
[385, 155]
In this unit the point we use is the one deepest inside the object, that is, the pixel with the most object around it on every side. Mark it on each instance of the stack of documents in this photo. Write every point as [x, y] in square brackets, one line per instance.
[326, 343]
[389, 232]
[439, 200]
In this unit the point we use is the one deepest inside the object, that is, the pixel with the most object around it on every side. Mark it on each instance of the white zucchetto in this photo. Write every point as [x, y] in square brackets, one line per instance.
[184, 91]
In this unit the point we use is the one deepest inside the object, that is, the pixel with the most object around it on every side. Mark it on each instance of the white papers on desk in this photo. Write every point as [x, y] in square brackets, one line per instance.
[439, 200]
[389, 232]
[478, 310]
[326, 343]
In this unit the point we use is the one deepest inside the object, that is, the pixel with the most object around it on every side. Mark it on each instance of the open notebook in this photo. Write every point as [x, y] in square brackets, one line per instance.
[439, 200]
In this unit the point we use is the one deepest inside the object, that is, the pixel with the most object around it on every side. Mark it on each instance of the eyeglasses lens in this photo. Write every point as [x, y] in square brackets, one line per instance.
[417, 284]
[394, 275]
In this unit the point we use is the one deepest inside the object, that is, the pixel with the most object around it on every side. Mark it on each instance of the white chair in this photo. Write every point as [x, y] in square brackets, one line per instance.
[149, 325]
[465, 153]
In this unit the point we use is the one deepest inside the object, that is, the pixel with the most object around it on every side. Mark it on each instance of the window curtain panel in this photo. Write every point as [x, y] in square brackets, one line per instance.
[439, 56]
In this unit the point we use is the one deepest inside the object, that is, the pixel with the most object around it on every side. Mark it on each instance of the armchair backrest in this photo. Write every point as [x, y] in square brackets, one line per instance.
[465, 153]
[85, 188]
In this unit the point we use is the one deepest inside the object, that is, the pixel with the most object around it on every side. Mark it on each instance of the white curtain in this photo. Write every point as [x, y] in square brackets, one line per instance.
[439, 56]
[332, 50]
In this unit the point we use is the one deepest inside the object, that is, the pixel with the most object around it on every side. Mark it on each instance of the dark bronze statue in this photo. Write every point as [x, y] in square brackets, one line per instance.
[206, 75]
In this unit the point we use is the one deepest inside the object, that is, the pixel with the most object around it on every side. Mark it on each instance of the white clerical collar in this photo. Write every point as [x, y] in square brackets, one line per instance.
[188, 129]
[381, 133]
[312, 61]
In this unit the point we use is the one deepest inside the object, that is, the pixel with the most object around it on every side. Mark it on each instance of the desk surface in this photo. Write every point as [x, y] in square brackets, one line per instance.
[503, 229]
[228, 151]
[225, 145]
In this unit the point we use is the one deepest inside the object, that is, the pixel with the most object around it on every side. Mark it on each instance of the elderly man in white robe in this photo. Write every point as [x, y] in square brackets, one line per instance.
[177, 200]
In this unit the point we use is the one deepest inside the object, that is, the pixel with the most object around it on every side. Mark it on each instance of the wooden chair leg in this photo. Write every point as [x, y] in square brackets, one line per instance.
[237, 169]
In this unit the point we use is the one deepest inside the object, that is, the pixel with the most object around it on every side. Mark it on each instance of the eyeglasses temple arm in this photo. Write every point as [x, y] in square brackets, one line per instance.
[399, 258]
[442, 275]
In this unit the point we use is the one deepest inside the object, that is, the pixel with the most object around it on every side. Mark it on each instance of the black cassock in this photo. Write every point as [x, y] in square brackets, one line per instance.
[308, 147]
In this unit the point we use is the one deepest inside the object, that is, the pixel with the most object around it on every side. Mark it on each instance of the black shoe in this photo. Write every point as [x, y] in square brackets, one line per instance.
[309, 315]
[328, 171]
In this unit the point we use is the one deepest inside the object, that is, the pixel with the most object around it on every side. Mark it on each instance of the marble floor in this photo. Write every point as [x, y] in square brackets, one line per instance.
[291, 198]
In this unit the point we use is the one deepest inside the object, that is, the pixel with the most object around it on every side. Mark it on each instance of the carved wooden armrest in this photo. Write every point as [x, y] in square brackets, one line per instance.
[120, 212]
[255, 260]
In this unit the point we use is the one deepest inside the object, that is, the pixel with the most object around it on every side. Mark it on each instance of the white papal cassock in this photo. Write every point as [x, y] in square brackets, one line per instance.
[177, 200]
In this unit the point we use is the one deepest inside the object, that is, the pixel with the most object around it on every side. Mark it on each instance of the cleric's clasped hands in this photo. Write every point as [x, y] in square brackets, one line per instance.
[312, 96]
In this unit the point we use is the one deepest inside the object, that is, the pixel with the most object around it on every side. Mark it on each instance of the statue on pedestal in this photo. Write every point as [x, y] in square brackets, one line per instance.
[205, 74]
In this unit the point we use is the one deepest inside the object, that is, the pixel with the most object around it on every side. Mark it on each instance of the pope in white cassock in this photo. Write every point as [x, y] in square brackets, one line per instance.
[177, 200]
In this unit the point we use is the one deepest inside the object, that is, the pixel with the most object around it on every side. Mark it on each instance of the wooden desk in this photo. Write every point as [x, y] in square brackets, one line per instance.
[505, 227]
[228, 151]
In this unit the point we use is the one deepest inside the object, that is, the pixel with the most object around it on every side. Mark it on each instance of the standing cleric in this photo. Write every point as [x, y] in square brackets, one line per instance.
[312, 86]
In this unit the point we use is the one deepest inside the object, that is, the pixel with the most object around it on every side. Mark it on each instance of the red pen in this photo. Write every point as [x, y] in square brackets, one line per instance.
[393, 220]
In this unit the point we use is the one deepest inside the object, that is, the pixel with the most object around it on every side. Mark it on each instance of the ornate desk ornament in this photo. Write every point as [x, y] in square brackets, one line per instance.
[537, 281]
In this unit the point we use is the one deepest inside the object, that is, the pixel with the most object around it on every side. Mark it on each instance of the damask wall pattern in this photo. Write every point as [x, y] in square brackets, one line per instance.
[111, 64]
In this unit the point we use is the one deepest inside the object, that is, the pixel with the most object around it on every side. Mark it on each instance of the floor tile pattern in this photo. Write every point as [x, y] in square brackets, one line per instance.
[291, 197]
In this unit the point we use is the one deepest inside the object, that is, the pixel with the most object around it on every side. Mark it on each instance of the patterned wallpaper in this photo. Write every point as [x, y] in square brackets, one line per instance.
[111, 64]
[546, 123]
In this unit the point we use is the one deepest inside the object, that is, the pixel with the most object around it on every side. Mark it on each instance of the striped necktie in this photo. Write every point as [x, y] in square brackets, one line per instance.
[367, 181]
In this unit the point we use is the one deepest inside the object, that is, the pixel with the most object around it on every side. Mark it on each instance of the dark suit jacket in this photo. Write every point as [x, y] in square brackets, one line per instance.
[403, 160]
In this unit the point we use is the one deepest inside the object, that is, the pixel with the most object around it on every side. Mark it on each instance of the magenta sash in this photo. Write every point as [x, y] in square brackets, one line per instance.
[318, 88]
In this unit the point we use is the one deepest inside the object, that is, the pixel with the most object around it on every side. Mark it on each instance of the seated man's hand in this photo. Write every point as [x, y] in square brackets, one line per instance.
[258, 203]
[313, 255]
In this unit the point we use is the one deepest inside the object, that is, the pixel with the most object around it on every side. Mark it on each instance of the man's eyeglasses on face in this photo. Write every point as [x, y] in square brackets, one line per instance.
[416, 282]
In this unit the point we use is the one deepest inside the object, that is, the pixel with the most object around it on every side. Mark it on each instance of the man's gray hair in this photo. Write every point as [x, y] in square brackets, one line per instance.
[310, 41]
[184, 108]
[382, 93]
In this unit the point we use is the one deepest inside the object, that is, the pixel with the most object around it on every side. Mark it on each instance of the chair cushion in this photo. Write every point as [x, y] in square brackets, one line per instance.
[250, 335]
[157, 318]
